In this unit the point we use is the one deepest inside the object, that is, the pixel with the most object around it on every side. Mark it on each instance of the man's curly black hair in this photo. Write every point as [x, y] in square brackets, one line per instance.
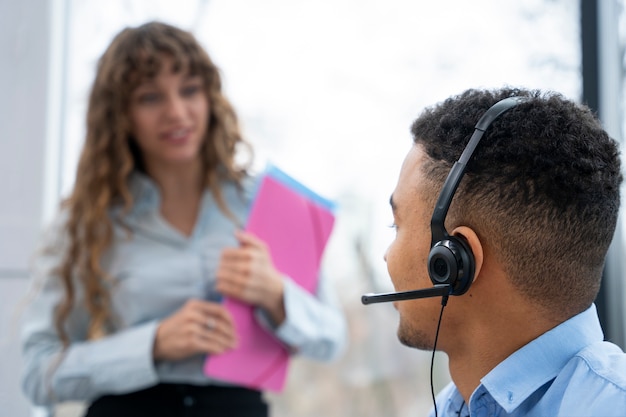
[542, 189]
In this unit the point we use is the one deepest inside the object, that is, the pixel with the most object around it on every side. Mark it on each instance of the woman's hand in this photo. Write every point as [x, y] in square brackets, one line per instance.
[246, 273]
[196, 328]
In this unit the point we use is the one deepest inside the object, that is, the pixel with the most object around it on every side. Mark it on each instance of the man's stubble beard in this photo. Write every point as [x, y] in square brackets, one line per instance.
[415, 338]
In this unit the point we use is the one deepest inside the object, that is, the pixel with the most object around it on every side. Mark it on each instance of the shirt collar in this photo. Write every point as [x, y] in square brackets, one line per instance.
[529, 368]
[146, 195]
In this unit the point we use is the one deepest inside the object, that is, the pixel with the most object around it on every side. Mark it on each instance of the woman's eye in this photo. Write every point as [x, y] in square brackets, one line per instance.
[149, 98]
[393, 226]
[191, 90]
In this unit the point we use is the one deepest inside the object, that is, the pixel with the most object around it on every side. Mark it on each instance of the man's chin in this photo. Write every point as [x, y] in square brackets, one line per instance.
[415, 338]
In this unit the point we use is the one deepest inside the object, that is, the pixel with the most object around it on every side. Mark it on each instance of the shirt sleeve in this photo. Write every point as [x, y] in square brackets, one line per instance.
[84, 370]
[315, 326]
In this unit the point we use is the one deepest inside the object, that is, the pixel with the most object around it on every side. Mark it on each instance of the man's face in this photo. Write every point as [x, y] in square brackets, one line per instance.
[407, 256]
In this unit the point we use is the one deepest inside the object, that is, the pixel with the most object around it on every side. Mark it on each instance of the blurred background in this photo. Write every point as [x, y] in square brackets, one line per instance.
[326, 90]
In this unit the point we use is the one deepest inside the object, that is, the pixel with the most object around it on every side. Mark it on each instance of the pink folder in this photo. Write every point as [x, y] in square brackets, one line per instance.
[295, 223]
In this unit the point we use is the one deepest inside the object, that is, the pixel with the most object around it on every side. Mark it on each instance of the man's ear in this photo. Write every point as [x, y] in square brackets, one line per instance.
[474, 243]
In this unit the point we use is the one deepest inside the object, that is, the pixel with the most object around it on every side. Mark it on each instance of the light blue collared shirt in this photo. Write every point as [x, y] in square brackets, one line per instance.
[567, 372]
[154, 272]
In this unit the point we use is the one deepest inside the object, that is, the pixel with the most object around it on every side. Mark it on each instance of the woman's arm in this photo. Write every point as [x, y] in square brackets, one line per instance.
[310, 324]
[84, 370]
[315, 325]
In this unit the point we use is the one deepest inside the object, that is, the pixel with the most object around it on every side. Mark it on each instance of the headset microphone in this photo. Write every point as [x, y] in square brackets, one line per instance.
[438, 290]
[451, 264]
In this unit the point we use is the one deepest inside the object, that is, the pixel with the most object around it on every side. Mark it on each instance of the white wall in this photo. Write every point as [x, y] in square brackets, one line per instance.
[24, 71]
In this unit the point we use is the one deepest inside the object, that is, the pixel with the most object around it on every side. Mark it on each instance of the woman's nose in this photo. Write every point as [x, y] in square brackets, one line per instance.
[175, 107]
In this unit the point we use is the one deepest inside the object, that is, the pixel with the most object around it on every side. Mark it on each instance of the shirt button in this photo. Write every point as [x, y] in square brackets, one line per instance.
[188, 401]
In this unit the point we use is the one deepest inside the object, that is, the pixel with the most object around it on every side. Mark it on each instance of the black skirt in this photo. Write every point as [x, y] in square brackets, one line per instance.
[182, 400]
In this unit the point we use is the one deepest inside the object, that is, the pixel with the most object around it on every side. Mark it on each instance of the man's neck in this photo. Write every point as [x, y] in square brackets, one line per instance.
[489, 342]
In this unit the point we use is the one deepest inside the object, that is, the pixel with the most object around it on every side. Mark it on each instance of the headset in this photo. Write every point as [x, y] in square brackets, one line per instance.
[451, 264]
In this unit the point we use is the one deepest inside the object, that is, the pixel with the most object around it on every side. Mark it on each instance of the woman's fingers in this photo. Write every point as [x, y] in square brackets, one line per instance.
[213, 340]
[197, 327]
[248, 239]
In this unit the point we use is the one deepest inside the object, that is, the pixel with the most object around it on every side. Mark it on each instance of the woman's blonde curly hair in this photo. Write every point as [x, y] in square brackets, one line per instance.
[109, 156]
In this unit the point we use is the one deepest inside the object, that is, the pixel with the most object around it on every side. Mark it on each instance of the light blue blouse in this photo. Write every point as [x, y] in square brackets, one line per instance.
[567, 372]
[154, 271]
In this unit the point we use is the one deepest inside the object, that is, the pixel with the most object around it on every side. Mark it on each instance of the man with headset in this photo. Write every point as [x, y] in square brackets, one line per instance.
[507, 202]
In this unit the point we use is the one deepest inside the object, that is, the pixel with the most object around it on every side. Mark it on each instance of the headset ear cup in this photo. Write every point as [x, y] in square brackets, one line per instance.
[451, 262]
[442, 264]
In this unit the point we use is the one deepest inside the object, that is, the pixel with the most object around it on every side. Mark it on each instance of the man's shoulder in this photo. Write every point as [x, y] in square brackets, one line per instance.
[594, 377]
[591, 383]
[603, 360]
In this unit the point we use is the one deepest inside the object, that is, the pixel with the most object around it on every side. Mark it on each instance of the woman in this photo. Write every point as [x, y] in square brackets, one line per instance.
[147, 243]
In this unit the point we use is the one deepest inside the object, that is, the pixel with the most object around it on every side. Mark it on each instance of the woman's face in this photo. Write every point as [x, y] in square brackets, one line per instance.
[169, 118]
